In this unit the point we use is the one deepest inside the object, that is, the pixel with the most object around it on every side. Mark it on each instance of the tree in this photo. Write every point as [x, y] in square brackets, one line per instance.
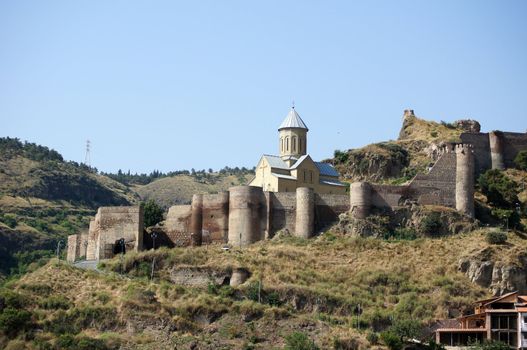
[500, 190]
[153, 213]
[521, 160]
[407, 329]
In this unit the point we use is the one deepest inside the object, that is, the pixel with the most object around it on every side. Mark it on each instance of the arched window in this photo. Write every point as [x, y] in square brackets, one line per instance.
[281, 144]
[311, 176]
[287, 143]
[293, 146]
[300, 145]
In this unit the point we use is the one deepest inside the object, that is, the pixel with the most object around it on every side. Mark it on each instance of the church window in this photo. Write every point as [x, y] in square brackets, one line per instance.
[293, 143]
[287, 143]
[300, 145]
[304, 175]
[311, 176]
[281, 144]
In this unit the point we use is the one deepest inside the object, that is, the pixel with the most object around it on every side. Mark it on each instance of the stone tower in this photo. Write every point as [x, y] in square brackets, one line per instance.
[496, 150]
[360, 199]
[246, 215]
[465, 179]
[293, 137]
[305, 212]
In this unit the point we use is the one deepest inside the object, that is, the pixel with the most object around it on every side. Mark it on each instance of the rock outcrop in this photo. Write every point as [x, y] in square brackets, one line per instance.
[486, 270]
[468, 125]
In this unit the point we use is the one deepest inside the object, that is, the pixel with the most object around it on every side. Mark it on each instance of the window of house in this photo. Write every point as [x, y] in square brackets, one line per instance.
[524, 319]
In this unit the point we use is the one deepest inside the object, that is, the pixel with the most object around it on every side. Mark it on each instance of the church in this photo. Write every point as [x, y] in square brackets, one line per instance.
[294, 167]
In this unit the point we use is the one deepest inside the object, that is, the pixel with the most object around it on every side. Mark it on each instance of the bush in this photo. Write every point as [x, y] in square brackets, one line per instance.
[391, 340]
[12, 321]
[490, 345]
[500, 190]
[299, 341]
[402, 233]
[496, 237]
[372, 338]
[521, 160]
[340, 157]
[431, 223]
[55, 302]
[69, 342]
[9, 220]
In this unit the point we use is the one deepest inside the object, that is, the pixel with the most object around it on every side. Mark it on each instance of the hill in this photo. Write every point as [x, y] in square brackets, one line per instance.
[308, 287]
[44, 198]
[179, 189]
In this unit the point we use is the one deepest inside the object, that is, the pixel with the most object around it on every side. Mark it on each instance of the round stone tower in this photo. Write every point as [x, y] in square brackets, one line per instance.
[245, 215]
[305, 212]
[224, 224]
[360, 199]
[293, 137]
[496, 150]
[465, 179]
[196, 219]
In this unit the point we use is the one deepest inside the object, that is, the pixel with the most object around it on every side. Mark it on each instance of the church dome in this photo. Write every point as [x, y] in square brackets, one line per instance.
[293, 120]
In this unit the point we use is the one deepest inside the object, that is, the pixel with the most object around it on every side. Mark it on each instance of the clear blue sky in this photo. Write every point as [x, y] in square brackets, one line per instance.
[202, 84]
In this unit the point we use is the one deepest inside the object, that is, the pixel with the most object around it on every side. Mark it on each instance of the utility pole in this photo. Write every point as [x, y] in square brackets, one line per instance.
[121, 242]
[59, 244]
[154, 236]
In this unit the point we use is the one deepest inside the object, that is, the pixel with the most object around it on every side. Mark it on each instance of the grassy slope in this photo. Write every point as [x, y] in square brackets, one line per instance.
[319, 282]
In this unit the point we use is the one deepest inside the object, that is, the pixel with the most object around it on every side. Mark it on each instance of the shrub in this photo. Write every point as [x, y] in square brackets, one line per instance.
[372, 338]
[402, 233]
[490, 345]
[55, 302]
[499, 189]
[521, 160]
[346, 344]
[299, 341]
[253, 291]
[12, 321]
[431, 223]
[496, 237]
[340, 157]
[391, 340]
[9, 220]
[69, 342]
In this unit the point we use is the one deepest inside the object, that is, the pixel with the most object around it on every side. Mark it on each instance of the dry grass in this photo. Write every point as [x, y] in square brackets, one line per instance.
[319, 282]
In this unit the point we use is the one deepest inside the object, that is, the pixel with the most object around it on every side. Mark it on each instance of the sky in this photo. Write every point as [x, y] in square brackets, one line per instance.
[172, 85]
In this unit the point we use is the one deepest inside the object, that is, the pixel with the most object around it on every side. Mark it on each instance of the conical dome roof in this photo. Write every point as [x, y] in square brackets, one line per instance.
[293, 120]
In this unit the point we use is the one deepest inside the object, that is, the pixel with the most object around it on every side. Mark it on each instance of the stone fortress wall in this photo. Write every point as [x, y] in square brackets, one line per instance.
[244, 214]
[110, 225]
